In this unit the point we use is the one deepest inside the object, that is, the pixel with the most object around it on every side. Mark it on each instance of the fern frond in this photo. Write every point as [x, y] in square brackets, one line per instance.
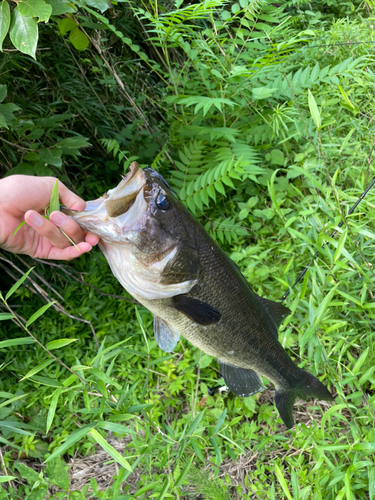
[112, 146]
[190, 166]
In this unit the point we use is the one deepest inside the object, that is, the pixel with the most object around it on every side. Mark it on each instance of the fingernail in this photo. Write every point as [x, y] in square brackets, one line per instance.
[59, 218]
[35, 219]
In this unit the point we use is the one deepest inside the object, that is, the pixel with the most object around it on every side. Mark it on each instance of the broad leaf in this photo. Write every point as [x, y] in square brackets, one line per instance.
[101, 5]
[51, 156]
[57, 473]
[24, 33]
[79, 39]
[4, 21]
[66, 24]
[59, 7]
[3, 88]
[35, 8]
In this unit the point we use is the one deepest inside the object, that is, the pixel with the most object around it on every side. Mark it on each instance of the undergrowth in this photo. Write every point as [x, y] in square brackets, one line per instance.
[260, 116]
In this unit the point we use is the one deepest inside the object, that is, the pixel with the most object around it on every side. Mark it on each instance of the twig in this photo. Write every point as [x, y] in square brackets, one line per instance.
[15, 145]
[42, 346]
[58, 307]
[3, 466]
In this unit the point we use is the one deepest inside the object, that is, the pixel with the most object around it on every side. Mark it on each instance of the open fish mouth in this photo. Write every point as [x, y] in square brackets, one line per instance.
[117, 210]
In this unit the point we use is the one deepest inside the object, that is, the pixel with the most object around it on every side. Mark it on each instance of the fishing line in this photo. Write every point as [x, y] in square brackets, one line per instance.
[302, 274]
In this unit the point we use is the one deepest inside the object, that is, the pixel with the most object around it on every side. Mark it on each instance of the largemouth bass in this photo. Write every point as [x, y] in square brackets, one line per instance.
[164, 258]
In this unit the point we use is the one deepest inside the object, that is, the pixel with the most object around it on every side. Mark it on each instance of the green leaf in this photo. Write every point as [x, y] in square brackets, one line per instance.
[60, 7]
[323, 306]
[104, 378]
[3, 88]
[58, 344]
[4, 21]
[346, 98]
[340, 245]
[5, 479]
[26, 473]
[38, 368]
[282, 481]
[54, 204]
[184, 473]
[50, 382]
[164, 489]
[20, 341]
[219, 422]
[57, 473]
[9, 401]
[195, 423]
[79, 39]
[35, 8]
[71, 440]
[18, 284]
[4, 316]
[52, 409]
[314, 110]
[39, 313]
[51, 156]
[101, 5]
[18, 228]
[66, 24]
[110, 450]
[24, 33]
[3, 122]
[262, 92]
[38, 494]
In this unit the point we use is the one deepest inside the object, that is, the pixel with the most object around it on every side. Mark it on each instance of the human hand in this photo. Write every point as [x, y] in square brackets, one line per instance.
[24, 197]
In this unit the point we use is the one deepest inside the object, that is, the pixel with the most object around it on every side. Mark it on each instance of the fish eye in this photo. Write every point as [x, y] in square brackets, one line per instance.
[162, 202]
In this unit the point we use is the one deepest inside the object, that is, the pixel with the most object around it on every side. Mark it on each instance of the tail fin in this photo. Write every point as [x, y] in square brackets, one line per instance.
[308, 387]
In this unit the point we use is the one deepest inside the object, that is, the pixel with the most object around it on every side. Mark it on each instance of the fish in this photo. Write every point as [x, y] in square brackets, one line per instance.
[167, 261]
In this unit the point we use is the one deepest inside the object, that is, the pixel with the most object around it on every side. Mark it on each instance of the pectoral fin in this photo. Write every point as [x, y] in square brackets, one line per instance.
[241, 381]
[196, 310]
[165, 336]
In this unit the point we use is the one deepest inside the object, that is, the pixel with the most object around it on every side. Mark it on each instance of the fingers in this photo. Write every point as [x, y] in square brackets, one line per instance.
[68, 225]
[92, 239]
[48, 229]
[68, 253]
[69, 199]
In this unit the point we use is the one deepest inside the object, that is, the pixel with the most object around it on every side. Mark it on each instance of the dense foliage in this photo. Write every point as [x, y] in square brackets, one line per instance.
[260, 115]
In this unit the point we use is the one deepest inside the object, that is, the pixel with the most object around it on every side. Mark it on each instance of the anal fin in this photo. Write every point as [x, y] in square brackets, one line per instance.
[165, 336]
[241, 381]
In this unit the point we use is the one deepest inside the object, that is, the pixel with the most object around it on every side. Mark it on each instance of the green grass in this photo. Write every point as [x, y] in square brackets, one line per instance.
[261, 117]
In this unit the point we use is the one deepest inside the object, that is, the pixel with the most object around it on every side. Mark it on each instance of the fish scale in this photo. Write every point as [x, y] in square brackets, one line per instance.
[163, 256]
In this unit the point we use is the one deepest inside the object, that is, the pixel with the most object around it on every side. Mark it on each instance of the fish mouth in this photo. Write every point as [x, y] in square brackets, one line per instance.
[115, 211]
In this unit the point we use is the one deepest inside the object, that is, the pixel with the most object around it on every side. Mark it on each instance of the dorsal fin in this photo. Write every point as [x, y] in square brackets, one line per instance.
[277, 311]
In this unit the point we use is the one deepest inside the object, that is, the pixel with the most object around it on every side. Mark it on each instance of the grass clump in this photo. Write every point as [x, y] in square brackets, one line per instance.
[260, 117]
